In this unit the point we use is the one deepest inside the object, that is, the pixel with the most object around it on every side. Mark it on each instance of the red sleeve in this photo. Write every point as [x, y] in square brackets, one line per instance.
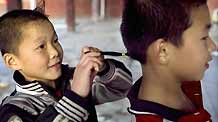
[200, 116]
[148, 118]
[192, 89]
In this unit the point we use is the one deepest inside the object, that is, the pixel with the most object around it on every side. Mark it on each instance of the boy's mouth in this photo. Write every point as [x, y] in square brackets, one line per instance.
[207, 65]
[55, 65]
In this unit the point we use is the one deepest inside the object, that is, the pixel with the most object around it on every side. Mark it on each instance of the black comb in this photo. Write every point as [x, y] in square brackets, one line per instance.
[112, 53]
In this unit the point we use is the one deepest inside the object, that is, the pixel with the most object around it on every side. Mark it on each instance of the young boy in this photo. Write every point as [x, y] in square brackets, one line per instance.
[170, 40]
[47, 90]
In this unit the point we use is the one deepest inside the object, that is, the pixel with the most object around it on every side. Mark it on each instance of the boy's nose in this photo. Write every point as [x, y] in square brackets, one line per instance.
[53, 52]
[212, 46]
[216, 47]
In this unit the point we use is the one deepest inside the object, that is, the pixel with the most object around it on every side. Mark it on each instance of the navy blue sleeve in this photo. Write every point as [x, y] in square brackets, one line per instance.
[12, 112]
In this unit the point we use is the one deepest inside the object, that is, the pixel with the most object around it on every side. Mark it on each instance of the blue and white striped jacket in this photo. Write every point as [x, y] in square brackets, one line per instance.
[36, 102]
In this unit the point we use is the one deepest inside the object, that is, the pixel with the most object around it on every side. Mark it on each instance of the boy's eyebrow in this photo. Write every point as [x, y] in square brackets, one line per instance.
[39, 39]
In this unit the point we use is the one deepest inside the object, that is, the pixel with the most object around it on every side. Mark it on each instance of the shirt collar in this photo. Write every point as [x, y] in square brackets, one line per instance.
[28, 87]
[38, 88]
[144, 107]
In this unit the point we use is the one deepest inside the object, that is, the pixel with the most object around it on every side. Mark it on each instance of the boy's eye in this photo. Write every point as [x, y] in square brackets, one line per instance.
[204, 38]
[56, 40]
[42, 46]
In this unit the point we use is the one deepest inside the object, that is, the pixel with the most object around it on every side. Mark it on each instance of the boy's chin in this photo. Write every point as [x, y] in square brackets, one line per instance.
[54, 76]
[57, 76]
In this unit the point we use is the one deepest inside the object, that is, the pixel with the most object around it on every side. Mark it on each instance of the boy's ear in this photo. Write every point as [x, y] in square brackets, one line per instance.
[11, 61]
[162, 50]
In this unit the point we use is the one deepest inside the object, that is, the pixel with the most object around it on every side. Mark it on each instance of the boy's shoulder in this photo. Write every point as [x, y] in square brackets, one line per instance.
[9, 112]
[150, 111]
[199, 116]
[32, 104]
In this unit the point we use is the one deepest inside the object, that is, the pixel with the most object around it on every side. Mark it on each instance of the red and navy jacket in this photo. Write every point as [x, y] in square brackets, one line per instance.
[147, 111]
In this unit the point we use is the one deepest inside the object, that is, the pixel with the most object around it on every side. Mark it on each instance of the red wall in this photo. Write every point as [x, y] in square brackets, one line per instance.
[57, 8]
[114, 8]
[83, 8]
[212, 4]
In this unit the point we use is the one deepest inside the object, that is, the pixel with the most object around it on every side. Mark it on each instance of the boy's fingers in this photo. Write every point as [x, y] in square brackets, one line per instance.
[90, 55]
[94, 49]
[96, 66]
[92, 63]
[89, 49]
[90, 60]
[85, 50]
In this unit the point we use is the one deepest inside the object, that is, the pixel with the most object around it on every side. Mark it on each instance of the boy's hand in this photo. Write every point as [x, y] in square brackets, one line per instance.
[91, 62]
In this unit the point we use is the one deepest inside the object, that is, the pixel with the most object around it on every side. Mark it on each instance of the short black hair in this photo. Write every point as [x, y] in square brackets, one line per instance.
[11, 26]
[145, 21]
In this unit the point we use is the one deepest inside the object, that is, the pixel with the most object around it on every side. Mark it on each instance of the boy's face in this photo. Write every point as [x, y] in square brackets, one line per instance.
[191, 59]
[40, 53]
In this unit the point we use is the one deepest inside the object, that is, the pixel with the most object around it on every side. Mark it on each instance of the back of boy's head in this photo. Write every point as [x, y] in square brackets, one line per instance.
[145, 21]
[12, 25]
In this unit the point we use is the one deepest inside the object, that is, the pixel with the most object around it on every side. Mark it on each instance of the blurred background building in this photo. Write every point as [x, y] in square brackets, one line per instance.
[71, 9]
[96, 23]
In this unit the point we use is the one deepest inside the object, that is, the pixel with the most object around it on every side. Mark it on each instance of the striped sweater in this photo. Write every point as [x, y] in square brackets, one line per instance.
[36, 102]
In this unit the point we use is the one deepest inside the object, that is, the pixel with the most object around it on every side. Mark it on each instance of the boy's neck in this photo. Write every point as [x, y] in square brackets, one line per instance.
[48, 83]
[51, 84]
[19, 76]
[161, 87]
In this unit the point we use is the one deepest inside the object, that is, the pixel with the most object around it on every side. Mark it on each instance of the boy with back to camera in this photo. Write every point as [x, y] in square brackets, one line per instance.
[170, 40]
[46, 90]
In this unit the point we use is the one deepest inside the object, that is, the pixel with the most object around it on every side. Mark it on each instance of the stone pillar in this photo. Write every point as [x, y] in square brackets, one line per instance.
[70, 15]
[102, 9]
[95, 10]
